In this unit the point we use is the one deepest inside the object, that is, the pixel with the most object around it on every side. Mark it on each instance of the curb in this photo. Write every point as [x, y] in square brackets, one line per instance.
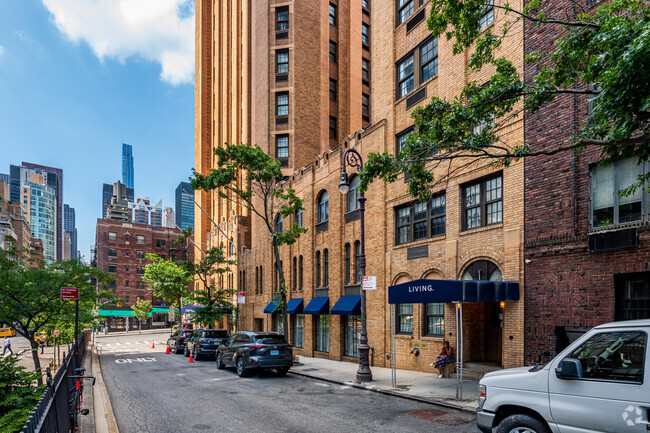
[104, 417]
[388, 392]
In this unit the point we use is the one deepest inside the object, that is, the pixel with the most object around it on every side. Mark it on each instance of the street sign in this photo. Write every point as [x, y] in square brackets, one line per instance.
[56, 332]
[241, 297]
[369, 283]
[69, 293]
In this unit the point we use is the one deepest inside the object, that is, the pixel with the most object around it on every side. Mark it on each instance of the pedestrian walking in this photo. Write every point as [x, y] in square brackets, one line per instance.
[7, 345]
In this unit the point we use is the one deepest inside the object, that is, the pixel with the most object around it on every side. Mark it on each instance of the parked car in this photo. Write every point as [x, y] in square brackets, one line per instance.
[204, 342]
[7, 332]
[250, 351]
[177, 340]
[41, 338]
[597, 384]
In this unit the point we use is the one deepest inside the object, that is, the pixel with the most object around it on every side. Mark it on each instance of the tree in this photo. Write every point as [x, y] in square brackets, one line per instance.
[142, 310]
[30, 296]
[602, 53]
[167, 280]
[18, 395]
[214, 301]
[261, 194]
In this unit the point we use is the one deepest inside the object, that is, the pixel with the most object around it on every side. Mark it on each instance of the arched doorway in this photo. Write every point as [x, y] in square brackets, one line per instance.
[485, 318]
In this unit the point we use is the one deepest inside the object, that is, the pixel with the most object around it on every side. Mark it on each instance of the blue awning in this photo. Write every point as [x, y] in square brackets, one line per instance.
[190, 308]
[347, 306]
[294, 306]
[319, 305]
[426, 291]
[270, 309]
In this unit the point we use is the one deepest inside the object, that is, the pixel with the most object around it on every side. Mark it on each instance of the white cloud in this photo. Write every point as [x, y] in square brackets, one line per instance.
[160, 31]
[2, 50]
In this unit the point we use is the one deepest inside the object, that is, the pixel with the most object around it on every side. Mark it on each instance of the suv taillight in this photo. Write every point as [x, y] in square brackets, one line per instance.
[256, 347]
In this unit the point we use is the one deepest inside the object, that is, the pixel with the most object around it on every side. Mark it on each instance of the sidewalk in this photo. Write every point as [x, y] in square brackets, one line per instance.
[414, 385]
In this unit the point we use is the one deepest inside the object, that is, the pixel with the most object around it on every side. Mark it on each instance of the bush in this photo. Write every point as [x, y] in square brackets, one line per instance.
[18, 394]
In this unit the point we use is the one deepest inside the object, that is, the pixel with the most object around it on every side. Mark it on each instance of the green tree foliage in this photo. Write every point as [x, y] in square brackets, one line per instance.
[30, 296]
[18, 395]
[142, 310]
[261, 193]
[602, 53]
[167, 280]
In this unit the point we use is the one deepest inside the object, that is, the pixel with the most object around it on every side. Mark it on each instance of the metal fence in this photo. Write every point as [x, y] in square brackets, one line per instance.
[52, 412]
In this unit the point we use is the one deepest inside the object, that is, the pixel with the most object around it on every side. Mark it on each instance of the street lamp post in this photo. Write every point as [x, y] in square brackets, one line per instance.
[352, 158]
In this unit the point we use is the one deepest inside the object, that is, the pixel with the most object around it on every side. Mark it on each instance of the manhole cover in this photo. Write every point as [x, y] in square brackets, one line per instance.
[444, 417]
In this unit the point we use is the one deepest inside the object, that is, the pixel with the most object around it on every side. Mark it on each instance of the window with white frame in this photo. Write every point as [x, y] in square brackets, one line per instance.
[487, 15]
[323, 207]
[483, 203]
[282, 61]
[282, 104]
[282, 146]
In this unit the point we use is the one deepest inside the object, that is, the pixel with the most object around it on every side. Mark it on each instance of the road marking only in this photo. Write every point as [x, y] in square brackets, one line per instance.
[130, 360]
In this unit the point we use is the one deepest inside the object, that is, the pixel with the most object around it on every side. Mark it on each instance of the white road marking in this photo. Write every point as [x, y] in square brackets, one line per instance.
[117, 344]
[128, 344]
[131, 360]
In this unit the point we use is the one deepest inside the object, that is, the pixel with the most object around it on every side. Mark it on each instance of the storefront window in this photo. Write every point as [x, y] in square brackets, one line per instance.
[323, 333]
[298, 330]
[352, 335]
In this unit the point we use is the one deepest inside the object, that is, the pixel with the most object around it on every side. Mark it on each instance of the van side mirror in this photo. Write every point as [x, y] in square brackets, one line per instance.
[569, 368]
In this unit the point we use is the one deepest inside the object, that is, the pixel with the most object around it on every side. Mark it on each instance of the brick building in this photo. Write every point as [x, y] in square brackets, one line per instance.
[120, 250]
[298, 79]
[586, 248]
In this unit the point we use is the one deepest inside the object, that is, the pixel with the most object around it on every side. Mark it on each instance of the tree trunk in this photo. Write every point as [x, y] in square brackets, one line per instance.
[283, 286]
[37, 361]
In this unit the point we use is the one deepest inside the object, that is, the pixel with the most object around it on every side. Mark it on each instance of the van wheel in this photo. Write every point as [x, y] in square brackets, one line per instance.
[522, 424]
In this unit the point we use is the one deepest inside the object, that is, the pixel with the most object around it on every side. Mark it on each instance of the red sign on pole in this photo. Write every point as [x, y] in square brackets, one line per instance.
[56, 332]
[69, 293]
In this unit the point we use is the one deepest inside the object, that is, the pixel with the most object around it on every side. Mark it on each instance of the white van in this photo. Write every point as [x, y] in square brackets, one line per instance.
[600, 383]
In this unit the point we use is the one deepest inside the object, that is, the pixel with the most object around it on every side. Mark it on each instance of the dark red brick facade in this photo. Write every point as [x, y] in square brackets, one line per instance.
[565, 284]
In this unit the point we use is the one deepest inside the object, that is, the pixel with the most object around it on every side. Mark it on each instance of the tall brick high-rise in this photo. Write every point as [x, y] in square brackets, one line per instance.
[298, 79]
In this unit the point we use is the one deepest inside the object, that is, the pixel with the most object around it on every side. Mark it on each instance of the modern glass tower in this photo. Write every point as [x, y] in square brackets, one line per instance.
[43, 222]
[184, 206]
[127, 165]
[69, 226]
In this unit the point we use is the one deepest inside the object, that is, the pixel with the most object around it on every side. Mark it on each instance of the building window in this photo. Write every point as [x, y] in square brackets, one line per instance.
[282, 104]
[126, 253]
[483, 203]
[298, 218]
[405, 76]
[352, 336]
[160, 243]
[282, 18]
[353, 194]
[400, 140]
[282, 62]
[282, 146]
[332, 16]
[365, 69]
[323, 333]
[139, 254]
[278, 224]
[365, 107]
[365, 33]
[429, 59]
[295, 274]
[126, 268]
[333, 90]
[365, 4]
[348, 263]
[326, 268]
[404, 318]
[333, 128]
[139, 239]
[112, 236]
[318, 269]
[487, 16]
[139, 270]
[126, 283]
[257, 280]
[417, 221]
[298, 330]
[277, 323]
[261, 280]
[435, 319]
[333, 52]
[357, 262]
[139, 285]
[632, 296]
[323, 207]
[405, 9]
[606, 182]
[112, 268]
[300, 273]
[112, 252]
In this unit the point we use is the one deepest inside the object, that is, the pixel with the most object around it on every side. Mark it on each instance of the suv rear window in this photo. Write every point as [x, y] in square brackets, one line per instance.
[270, 339]
[216, 334]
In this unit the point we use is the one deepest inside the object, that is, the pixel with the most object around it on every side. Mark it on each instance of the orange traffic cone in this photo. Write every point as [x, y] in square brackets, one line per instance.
[191, 358]
[152, 345]
[167, 351]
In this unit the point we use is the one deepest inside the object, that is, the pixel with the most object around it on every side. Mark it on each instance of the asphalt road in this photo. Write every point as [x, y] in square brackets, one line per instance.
[151, 391]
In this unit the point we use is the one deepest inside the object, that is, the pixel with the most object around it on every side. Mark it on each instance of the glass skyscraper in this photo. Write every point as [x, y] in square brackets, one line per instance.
[42, 216]
[184, 206]
[127, 165]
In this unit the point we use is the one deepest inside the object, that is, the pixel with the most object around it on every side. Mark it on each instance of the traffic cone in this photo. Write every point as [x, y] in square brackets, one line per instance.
[167, 351]
[152, 345]
[191, 358]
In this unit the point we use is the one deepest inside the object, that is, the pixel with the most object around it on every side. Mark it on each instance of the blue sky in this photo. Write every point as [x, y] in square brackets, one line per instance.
[78, 78]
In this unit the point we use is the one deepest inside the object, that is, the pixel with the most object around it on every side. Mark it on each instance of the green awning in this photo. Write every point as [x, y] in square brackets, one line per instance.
[160, 310]
[116, 313]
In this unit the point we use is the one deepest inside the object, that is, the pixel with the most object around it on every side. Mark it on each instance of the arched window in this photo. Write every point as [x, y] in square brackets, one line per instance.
[278, 224]
[482, 270]
[357, 262]
[232, 247]
[353, 194]
[300, 285]
[318, 269]
[323, 207]
[326, 268]
[295, 274]
[298, 218]
[348, 263]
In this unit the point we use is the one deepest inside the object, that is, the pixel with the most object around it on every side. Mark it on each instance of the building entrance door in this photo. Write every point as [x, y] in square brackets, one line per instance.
[493, 340]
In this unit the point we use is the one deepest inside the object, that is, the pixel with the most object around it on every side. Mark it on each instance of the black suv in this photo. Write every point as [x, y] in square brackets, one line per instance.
[205, 342]
[177, 340]
[249, 351]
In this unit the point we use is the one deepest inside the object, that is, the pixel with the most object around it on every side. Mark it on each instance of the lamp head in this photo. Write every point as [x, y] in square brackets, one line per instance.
[344, 185]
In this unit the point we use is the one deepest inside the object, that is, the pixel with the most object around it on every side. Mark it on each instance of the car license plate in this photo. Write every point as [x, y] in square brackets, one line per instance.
[275, 352]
